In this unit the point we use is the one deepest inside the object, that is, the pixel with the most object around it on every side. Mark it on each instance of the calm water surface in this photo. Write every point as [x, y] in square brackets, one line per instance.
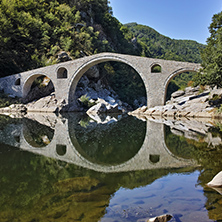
[74, 168]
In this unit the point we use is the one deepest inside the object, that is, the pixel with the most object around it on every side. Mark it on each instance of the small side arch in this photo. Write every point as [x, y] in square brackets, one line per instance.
[18, 82]
[156, 68]
[175, 73]
[62, 73]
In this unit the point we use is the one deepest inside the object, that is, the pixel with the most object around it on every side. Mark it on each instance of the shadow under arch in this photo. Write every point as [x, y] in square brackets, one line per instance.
[26, 87]
[95, 61]
[172, 75]
[108, 146]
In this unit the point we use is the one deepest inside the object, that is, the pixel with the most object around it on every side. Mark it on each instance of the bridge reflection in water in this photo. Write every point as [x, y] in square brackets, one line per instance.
[127, 145]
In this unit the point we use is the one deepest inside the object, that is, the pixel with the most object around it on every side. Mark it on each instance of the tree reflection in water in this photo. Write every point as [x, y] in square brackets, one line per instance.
[38, 188]
[208, 153]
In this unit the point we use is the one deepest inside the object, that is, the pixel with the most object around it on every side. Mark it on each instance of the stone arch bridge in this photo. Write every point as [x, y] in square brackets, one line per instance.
[65, 76]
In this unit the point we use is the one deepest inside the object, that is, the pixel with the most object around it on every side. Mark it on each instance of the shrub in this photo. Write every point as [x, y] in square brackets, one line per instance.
[84, 99]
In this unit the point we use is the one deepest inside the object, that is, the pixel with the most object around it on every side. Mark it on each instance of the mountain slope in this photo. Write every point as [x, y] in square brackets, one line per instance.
[163, 47]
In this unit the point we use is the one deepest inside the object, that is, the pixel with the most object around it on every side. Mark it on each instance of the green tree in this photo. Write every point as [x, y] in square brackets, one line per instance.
[33, 32]
[211, 73]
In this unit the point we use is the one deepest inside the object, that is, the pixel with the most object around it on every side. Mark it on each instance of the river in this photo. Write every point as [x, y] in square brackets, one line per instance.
[109, 169]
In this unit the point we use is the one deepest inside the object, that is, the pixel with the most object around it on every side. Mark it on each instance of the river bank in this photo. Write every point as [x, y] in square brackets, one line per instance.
[92, 95]
[192, 102]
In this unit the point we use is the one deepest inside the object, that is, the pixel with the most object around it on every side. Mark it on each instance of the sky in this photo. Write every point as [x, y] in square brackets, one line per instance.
[177, 19]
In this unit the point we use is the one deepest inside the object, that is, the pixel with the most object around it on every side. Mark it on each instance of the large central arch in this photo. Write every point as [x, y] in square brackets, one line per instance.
[95, 61]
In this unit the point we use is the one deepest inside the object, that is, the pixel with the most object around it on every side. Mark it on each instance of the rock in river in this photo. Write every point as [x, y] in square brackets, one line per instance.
[216, 181]
[162, 218]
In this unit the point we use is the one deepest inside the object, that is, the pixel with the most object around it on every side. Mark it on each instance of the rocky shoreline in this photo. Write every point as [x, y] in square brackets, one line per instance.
[192, 102]
[189, 103]
[92, 96]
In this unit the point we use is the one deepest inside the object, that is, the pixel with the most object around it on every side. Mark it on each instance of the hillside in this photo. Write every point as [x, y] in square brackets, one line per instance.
[163, 47]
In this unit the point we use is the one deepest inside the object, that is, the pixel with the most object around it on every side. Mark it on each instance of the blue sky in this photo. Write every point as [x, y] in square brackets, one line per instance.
[177, 19]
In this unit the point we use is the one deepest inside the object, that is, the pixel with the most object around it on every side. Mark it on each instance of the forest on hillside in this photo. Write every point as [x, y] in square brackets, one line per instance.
[33, 32]
[163, 47]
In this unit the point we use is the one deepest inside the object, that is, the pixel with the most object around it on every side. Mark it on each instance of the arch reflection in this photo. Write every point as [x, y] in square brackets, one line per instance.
[184, 137]
[177, 143]
[154, 158]
[61, 149]
[108, 144]
[36, 134]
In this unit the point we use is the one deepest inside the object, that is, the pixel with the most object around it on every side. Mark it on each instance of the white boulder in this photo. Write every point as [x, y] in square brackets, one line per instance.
[162, 218]
[216, 181]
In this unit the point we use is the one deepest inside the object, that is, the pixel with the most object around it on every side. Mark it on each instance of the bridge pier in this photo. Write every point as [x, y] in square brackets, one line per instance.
[155, 91]
[62, 90]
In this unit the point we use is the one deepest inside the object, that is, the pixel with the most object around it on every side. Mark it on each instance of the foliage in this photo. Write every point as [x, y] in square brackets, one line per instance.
[32, 32]
[156, 69]
[124, 80]
[107, 146]
[37, 135]
[219, 110]
[207, 156]
[178, 145]
[86, 101]
[172, 87]
[5, 100]
[180, 81]
[211, 73]
[52, 190]
[84, 123]
[162, 47]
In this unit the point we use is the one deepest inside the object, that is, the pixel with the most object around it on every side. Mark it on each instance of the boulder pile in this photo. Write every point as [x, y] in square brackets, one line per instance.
[102, 106]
